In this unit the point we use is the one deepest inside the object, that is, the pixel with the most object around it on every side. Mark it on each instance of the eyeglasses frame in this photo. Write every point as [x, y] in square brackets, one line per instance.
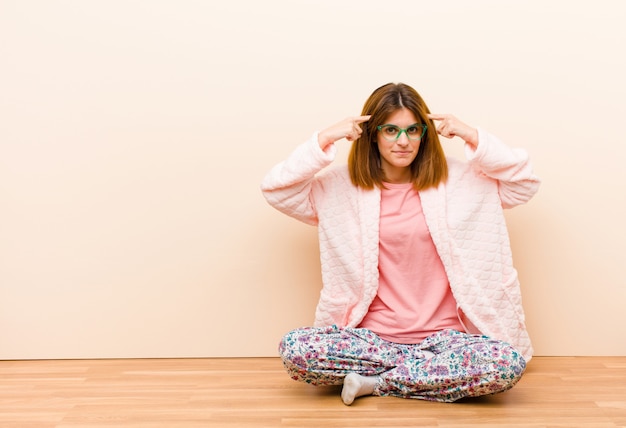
[401, 130]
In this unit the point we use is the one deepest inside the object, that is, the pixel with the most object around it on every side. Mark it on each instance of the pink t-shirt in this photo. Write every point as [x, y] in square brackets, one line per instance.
[414, 298]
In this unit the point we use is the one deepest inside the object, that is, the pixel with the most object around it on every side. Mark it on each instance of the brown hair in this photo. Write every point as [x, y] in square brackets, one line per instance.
[429, 167]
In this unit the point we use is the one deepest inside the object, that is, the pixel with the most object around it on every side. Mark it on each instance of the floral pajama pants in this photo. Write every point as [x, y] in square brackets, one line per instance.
[445, 366]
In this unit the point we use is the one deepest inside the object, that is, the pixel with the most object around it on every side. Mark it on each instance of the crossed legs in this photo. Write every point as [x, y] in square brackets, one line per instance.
[446, 366]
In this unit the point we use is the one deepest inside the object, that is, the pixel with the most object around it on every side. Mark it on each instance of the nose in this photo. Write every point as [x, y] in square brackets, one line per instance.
[403, 139]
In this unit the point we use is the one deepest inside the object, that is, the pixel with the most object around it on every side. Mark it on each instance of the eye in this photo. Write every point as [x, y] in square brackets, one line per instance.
[391, 130]
[414, 130]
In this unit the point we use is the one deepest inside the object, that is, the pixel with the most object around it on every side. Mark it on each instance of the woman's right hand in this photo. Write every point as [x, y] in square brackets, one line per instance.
[348, 128]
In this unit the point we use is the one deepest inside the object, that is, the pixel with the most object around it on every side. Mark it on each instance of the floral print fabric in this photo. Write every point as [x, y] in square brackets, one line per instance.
[445, 366]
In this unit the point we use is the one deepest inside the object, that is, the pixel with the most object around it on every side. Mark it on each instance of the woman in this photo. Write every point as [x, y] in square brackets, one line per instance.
[420, 298]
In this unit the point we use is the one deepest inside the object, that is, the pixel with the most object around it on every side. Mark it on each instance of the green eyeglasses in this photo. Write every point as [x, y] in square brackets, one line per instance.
[392, 132]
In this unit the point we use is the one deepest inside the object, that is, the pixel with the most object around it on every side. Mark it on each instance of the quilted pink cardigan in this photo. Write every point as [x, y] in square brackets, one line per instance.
[464, 215]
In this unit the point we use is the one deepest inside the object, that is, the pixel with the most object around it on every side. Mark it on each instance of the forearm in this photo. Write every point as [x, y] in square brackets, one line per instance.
[287, 186]
[511, 167]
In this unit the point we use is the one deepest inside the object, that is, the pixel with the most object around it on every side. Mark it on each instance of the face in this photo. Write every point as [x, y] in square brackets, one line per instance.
[397, 156]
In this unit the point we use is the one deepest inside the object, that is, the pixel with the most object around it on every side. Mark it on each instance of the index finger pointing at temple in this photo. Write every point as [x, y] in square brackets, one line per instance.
[361, 119]
[435, 116]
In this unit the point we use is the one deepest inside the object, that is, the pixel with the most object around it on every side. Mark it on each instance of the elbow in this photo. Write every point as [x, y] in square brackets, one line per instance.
[519, 194]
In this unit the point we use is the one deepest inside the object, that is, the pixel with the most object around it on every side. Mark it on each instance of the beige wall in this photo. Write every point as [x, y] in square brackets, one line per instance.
[134, 135]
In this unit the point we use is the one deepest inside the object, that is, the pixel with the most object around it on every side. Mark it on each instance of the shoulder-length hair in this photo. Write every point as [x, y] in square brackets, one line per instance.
[429, 167]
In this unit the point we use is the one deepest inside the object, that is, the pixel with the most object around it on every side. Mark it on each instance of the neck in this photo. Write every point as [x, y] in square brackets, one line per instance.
[398, 177]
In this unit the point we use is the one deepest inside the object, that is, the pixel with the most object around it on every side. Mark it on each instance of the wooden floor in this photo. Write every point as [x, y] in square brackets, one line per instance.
[256, 392]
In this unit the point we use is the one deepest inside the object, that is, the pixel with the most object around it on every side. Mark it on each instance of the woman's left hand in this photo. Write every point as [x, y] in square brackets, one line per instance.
[451, 127]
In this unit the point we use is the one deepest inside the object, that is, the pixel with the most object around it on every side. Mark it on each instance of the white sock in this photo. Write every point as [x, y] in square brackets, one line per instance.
[355, 385]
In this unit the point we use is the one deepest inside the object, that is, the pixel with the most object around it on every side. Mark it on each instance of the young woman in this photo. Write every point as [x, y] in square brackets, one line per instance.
[420, 298]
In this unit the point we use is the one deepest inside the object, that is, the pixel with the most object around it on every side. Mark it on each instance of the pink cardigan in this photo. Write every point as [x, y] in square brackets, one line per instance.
[464, 215]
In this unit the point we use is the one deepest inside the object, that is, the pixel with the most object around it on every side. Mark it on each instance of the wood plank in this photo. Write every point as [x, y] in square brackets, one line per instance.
[256, 392]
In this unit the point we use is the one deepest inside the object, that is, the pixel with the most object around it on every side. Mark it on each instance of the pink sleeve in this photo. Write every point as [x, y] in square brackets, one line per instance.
[512, 168]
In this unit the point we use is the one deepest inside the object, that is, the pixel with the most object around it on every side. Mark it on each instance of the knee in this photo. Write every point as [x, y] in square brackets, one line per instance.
[290, 349]
[511, 365]
[286, 342]
[514, 359]
[294, 355]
